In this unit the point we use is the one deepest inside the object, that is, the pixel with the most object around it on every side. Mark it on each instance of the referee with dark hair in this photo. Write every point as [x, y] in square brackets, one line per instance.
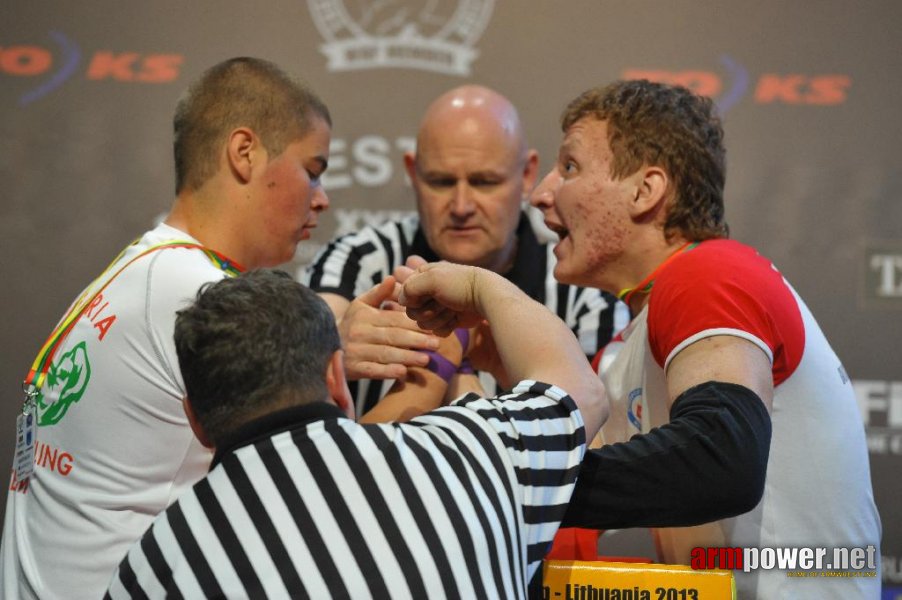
[303, 502]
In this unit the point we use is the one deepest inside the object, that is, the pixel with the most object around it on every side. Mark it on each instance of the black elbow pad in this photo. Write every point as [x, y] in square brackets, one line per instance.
[708, 463]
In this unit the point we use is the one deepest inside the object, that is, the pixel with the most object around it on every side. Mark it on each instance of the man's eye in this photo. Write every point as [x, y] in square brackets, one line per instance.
[569, 167]
[314, 176]
[441, 182]
[483, 182]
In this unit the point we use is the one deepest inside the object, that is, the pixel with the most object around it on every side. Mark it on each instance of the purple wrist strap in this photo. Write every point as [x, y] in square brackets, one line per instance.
[465, 367]
[443, 367]
[463, 335]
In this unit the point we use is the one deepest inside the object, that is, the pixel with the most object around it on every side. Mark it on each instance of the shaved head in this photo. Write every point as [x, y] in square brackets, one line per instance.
[471, 172]
[473, 109]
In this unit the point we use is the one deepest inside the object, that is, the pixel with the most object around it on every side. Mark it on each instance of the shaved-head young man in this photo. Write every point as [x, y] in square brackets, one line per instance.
[471, 174]
[114, 446]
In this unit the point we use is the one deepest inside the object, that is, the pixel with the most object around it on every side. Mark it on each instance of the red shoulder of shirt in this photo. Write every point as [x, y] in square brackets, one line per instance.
[722, 284]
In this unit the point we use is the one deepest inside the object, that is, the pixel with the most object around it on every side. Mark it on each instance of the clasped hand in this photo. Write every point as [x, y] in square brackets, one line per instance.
[442, 296]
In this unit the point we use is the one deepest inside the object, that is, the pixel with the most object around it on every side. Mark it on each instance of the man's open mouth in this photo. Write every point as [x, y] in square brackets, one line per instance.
[560, 230]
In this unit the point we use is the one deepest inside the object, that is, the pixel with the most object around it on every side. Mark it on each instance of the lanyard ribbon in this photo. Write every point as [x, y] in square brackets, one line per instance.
[646, 284]
[38, 372]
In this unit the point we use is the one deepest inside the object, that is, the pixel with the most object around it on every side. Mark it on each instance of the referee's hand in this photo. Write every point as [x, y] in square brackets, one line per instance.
[378, 342]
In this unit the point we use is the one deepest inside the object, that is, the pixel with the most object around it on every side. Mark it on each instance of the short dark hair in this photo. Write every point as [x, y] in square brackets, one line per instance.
[240, 92]
[670, 127]
[251, 344]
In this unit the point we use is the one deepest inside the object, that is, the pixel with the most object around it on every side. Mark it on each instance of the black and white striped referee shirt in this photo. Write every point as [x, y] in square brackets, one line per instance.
[462, 502]
[354, 263]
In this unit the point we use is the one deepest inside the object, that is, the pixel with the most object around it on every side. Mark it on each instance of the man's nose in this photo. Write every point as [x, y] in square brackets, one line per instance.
[320, 201]
[542, 196]
[462, 201]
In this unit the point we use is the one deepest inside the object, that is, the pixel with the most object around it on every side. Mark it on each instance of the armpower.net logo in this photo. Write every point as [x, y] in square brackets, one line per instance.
[795, 561]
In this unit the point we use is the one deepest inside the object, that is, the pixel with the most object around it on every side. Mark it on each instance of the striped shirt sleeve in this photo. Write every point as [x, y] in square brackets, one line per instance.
[541, 433]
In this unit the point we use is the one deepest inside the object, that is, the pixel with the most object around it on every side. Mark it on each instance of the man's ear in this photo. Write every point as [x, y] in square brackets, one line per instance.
[196, 427]
[337, 384]
[241, 150]
[530, 172]
[652, 184]
[410, 166]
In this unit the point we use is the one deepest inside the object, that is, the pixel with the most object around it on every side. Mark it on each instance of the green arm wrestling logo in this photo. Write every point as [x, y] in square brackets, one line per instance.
[68, 376]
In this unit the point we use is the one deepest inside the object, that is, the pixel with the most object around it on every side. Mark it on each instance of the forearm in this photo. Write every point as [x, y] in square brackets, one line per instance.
[337, 304]
[534, 344]
[418, 393]
[462, 384]
[708, 463]
[423, 388]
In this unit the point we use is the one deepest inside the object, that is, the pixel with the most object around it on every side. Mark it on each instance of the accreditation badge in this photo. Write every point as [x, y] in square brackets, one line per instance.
[26, 436]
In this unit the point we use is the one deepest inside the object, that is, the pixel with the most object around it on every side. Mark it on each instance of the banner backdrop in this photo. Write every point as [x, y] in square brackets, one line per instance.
[810, 94]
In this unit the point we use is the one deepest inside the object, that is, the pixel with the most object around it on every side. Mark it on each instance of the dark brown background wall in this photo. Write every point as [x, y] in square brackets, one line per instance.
[810, 93]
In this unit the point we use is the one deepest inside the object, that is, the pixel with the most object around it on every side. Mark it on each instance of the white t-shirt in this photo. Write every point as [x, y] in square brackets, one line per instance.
[818, 487]
[114, 447]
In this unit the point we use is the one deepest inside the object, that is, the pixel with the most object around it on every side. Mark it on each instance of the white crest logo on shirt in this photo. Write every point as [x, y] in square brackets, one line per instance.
[433, 35]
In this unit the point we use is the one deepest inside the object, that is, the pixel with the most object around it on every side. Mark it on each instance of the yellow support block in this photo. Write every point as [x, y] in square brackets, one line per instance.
[599, 580]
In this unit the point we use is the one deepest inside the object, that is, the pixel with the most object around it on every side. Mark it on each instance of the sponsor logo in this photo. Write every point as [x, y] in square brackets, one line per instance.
[53, 64]
[354, 219]
[888, 269]
[732, 82]
[429, 34]
[892, 569]
[66, 381]
[796, 561]
[881, 409]
[882, 281]
[366, 161]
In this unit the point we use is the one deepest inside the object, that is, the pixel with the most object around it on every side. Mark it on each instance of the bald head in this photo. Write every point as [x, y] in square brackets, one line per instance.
[471, 172]
[473, 110]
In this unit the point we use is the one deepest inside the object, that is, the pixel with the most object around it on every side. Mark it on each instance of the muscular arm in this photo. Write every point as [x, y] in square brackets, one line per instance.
[708, 463]
[724, 358]
[442, 297]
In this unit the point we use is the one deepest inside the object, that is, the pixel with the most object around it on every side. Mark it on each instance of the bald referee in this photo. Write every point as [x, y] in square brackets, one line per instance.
[303, 502]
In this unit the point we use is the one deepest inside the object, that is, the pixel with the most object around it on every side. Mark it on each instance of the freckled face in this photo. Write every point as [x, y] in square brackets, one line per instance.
[292, 196]
[586, 207]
